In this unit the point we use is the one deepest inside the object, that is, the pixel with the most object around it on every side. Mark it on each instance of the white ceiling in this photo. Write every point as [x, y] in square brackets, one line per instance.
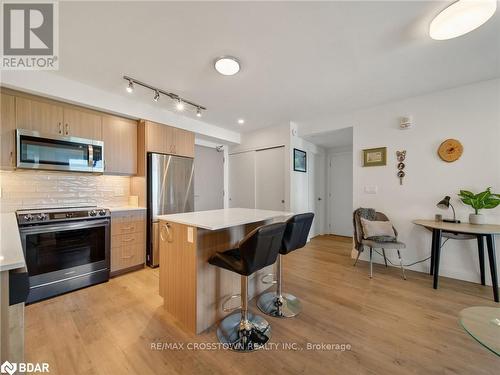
[299, 60]
[336, 139]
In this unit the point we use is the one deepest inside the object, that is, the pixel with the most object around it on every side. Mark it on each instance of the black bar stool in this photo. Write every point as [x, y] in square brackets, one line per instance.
[244, 331]
[279, 304]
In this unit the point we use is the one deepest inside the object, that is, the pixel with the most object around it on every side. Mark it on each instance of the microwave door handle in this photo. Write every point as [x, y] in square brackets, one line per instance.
[91, 156]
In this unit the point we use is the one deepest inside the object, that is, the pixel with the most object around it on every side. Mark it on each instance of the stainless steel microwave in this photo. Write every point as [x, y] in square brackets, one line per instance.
[53, 152]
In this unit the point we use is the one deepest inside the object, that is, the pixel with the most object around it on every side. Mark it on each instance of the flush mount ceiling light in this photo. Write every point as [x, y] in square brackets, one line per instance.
[241, 121]
[227, 65]
[461, 17]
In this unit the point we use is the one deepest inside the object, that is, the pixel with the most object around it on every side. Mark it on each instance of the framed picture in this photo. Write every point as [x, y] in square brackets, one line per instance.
[299, 160]
[375, 157]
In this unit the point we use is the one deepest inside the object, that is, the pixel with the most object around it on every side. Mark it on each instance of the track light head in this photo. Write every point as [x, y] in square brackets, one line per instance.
[156, 97]
[179, 105]
[130, 87]
[198, 112]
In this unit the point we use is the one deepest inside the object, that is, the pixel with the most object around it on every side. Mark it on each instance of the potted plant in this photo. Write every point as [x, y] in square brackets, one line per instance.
[479, 201]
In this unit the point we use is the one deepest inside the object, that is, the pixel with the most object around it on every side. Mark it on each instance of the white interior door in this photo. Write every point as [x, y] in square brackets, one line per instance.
[340, 194]
[208, 179]
[242, 180]
[270, 179]
[319, 177]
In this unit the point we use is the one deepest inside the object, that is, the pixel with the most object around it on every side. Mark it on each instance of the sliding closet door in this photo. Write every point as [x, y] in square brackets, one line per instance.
[270, 179]
[242, 180]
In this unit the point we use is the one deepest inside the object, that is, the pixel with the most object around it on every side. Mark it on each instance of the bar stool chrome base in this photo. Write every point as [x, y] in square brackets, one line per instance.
[244, 336]
[286, 307]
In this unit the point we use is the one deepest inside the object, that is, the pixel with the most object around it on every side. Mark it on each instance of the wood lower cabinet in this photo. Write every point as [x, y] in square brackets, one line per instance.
[120, 145]
[128, 240]
[7, 131]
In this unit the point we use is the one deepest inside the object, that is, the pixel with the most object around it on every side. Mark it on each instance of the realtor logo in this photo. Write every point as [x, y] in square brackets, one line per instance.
[8, 368]
[30, 35]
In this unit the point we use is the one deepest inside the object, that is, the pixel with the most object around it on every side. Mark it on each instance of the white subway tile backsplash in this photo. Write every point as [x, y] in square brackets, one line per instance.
[24, 189]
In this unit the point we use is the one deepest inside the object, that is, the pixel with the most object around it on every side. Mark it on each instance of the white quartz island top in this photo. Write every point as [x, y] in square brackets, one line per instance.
[11, 250]
[225, 218]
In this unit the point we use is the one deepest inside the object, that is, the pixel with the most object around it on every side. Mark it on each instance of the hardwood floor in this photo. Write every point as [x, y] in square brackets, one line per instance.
[393, 326]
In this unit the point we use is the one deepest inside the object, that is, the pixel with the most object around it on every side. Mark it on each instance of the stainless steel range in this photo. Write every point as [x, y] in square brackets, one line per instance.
[65, 249]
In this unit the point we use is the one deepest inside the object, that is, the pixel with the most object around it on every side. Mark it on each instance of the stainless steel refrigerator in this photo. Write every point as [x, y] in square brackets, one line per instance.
[170, 191]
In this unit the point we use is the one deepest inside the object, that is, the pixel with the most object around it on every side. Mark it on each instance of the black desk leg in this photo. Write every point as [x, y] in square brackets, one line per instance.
[437, 254]
[432, 253]
[480, 248]
[490, 240]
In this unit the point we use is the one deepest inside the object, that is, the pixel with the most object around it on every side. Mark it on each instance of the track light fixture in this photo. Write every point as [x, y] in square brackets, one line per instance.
[180, 102]
[130, 87]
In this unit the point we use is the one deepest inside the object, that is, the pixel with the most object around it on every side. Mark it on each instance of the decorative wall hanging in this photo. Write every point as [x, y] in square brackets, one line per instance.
[401, 155]
[450, 150]
[299, 160]
[375, 157]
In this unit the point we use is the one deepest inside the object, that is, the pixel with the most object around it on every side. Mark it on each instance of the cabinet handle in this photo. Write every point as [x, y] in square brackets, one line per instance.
[128, 228]
[127, 257]
[60, 128]
[128, 239]
[67, 129]
[167, 228]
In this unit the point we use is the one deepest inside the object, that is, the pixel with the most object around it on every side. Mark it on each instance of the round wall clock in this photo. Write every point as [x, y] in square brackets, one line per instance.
[450, 150]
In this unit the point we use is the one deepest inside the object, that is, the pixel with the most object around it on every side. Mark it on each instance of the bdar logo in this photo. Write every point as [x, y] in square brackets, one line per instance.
[8, 368]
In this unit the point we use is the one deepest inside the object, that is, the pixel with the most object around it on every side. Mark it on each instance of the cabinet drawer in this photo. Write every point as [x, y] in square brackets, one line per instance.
[127, 227]
[133, 239]
[126, 256]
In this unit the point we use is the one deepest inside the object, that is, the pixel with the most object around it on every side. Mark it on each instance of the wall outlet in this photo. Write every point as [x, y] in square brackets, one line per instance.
[371, 189]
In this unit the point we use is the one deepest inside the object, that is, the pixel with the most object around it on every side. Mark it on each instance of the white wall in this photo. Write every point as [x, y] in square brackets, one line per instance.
[470, 114]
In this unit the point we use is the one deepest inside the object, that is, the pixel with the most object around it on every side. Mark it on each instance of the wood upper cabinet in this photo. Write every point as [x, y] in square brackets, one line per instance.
[83, 124]
[57, 119]
[7, 130]
[183, 142]
[168, 140]
[120, 145]
[41, 116]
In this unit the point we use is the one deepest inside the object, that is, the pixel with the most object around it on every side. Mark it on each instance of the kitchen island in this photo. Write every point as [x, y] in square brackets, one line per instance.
[192, 289]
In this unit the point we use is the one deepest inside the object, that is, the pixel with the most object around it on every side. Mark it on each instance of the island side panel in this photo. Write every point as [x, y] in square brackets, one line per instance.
[215, 284]
[178, 272]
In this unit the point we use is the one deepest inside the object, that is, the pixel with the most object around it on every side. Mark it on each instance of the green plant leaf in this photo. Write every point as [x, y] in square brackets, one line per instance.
[492, 204]
[466, 194]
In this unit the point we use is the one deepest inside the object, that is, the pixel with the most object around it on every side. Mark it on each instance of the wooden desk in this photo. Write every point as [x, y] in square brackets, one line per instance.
[481, 232]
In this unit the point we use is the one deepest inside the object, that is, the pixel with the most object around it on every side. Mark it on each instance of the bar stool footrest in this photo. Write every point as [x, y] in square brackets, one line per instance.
[287, 306]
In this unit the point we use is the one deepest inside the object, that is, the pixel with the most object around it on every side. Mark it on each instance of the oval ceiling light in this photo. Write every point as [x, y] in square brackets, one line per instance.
[227, 65]
[461, 17]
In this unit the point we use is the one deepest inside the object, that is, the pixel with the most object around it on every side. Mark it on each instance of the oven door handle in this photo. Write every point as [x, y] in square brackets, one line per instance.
[64, 227]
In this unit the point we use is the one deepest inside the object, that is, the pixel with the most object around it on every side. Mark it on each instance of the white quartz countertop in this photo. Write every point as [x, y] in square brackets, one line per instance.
[127, 208]
[11, 250]
[226, 218]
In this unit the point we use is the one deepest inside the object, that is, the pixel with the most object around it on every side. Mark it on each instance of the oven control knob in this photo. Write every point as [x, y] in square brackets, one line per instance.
[102, 212]
[42, 217]
[28, 217]
[92, 213]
